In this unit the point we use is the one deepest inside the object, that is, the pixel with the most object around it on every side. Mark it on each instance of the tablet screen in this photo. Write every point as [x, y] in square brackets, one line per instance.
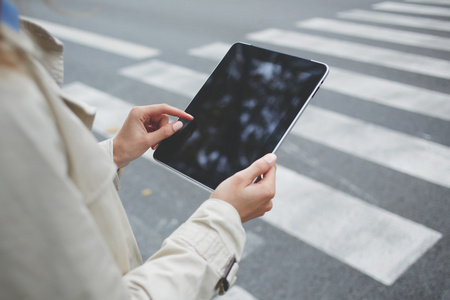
[243, 111]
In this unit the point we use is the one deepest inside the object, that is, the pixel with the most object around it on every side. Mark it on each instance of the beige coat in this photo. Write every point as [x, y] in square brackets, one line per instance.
[63, 231]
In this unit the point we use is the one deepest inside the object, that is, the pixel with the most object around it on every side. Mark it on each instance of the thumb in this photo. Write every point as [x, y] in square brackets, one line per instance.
[155, 137]
[259, 167]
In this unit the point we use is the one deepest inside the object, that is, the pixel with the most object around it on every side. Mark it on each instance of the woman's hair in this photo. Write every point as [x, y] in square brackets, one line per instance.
[10, 58]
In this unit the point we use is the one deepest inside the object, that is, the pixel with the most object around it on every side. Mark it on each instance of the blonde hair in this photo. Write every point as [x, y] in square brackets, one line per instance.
[9, 57]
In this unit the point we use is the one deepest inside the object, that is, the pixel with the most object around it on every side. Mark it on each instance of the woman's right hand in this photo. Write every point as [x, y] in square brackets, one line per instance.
[145, 127]
[251, 200]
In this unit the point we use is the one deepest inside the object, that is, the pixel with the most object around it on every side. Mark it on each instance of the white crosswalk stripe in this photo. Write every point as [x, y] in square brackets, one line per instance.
[352, 51]
[111, 111]
[389, 93]
[214, 51]
[395, 19]
[377, 33]
[440, 2]
[412, 9]
[380, 244]
[171, 77]
[97, 41]
[236, 293]
[344, 227]
[413, 156]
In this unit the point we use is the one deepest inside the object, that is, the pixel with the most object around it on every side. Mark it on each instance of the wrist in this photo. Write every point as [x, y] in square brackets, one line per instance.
[118, 156]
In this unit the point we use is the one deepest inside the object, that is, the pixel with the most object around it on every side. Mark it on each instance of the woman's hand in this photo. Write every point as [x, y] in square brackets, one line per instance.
[145, 127]
[251, 200]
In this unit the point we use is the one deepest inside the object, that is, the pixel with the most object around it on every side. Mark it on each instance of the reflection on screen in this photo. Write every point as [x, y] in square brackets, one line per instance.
[241, 113]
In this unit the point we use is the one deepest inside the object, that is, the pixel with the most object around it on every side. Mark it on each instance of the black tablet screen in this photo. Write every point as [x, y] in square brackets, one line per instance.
[242, 112]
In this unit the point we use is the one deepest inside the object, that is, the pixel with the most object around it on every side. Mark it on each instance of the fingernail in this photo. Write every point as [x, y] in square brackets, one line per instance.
[177, 125]
[270, 158]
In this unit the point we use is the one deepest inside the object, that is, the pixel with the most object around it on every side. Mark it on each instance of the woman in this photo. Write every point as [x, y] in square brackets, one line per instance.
[63, 231]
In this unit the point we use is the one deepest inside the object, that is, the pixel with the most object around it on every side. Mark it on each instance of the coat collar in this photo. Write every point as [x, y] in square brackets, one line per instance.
[48, 50]
[80, 158]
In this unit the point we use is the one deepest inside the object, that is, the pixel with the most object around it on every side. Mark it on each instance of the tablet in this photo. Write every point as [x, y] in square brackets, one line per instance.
[243, 111]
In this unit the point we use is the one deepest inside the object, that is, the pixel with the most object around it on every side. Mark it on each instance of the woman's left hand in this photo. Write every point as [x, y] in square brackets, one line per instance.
[145, 127]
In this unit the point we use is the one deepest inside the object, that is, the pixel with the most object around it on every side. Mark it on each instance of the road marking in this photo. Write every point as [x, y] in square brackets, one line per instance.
[378, 33]
[374, 241]
[395, 19]
[166, 76]
[364, 87]
[214, 51]
[439, 2]
[236, 293]
[413, 156]
[352, 51]
[111, 111]
[413, 9]
[410, 155]
[389, 93]
[97, 41]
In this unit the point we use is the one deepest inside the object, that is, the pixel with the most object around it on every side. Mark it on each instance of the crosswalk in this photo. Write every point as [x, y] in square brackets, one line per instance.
[413, 8]
[372, 240]
[395, 19]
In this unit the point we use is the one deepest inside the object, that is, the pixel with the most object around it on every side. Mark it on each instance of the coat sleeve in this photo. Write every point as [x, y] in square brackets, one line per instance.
[107, 147]
[194, 258]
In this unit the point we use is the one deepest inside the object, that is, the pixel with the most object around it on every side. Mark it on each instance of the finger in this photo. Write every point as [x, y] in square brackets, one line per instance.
[269, 176]
[259, 167]
[164, 132]
[159, 109]
[266, 187]
[164, 121]
[268, 206]
[156, 122]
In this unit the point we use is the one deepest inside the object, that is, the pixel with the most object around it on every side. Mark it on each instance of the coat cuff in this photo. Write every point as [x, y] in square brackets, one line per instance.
[215, 231]
[107, 146]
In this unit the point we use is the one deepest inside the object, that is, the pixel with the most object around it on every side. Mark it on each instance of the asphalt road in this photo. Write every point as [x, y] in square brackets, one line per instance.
[364, 179]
